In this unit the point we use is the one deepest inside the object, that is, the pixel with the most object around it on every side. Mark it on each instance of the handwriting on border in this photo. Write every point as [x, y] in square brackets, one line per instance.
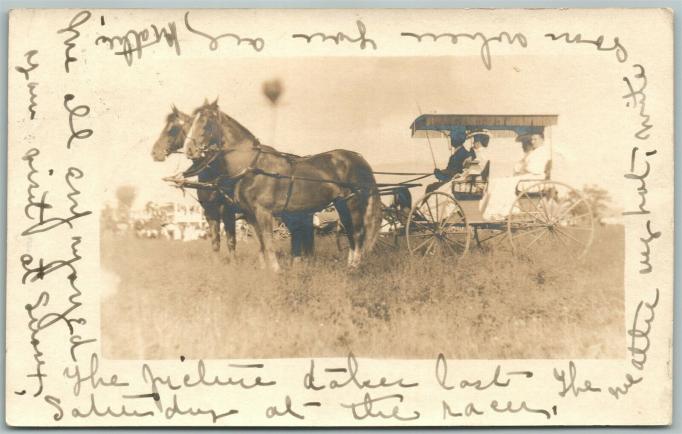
[31, 85]
[486, 57]
[134, 42]
[341, 37]
[80, 111]
[621, 52]
[255, 43]
[637, 98]
[79, 19]
[639, 345]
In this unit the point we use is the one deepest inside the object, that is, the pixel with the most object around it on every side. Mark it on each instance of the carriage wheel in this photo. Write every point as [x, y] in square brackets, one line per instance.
[437, 226]
[551, 216]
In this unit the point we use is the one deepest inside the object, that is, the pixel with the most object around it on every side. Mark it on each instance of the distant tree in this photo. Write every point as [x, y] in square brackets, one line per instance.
[598, 198]
[107, 219]
[125, 195]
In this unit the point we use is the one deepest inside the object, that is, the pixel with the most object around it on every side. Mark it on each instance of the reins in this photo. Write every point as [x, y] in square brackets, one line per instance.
[215, 148]
[253, 169]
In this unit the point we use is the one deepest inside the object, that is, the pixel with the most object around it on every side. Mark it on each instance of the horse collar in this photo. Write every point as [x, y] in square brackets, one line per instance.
[199, 166]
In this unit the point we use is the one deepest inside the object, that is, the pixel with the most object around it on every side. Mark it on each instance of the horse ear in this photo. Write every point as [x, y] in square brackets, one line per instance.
[175, 110]
[214, 104]
[205, 101]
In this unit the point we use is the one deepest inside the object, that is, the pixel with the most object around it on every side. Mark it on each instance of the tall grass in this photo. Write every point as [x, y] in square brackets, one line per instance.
[176, 298]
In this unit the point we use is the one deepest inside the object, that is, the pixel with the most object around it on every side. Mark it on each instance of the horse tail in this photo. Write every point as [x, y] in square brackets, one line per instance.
[372, 219]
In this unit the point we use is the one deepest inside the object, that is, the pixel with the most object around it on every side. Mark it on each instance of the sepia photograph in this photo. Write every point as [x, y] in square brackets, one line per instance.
[386, 207]
[339, 217]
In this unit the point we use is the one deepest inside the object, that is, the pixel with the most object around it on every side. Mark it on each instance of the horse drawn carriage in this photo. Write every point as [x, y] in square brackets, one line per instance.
[540, 212]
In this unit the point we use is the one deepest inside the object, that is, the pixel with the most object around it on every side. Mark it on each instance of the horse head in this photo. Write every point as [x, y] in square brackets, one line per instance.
[205, 130]
[214, 131]
[172, 137]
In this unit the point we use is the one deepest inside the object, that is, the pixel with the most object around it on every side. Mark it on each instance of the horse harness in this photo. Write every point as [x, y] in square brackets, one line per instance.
[219, 182]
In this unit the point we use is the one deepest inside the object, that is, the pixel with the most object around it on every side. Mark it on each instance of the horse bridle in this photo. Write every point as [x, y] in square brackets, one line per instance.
[216, 149]
[178, 149]
[181, 133]
[201, 148]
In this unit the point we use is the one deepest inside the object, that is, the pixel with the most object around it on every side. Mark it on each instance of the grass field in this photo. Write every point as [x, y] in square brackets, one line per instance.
[168, 299]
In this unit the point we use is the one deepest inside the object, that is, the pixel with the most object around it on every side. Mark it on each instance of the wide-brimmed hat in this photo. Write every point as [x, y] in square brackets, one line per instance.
[484, 133]
[527, 136]
[523, 137]
[476, 133]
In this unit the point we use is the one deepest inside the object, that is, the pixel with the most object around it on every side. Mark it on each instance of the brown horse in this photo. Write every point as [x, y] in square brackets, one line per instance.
[216, 207]
[271, 183]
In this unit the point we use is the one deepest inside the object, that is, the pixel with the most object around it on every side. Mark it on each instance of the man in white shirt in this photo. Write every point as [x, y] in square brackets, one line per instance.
[501, 193]
[535, 161]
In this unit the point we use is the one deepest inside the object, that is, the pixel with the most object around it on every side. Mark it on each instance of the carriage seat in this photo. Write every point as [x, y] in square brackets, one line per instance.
[525, 183]
[472, 186]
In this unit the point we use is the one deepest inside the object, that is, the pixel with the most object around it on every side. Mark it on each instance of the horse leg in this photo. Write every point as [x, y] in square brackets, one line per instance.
[259, 236]
[296, 244]
[229, 222]
[356, 211]
[264, 225]
[347, 222]
[212, 214]
[293, 224]
[308, 236]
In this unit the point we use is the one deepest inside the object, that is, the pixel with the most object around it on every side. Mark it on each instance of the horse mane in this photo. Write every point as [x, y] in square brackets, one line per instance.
[239, 127]
[220, 119]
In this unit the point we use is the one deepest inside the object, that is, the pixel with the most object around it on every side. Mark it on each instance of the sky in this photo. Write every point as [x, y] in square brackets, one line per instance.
[367, 105]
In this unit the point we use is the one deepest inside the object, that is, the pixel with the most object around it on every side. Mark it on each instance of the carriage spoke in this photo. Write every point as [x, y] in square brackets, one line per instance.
[437, 209]
[533, 214]
[445, 236]
[542, 234]
[425, 225]
[428, 249]
[455, 241]
[528, 232]
[442, 227]
[437, 248]
[416, 249]
[525, 193]
[429, 208]
[419, 215]
[567, 211]
[570, 251]
[452, 249]
[567, 235]
[542, 222]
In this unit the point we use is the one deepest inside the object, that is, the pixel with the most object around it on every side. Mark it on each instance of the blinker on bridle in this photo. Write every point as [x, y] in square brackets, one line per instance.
[204, 146]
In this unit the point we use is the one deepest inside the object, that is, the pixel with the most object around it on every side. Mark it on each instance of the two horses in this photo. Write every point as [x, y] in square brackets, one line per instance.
[265, 184]
[216, 207]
